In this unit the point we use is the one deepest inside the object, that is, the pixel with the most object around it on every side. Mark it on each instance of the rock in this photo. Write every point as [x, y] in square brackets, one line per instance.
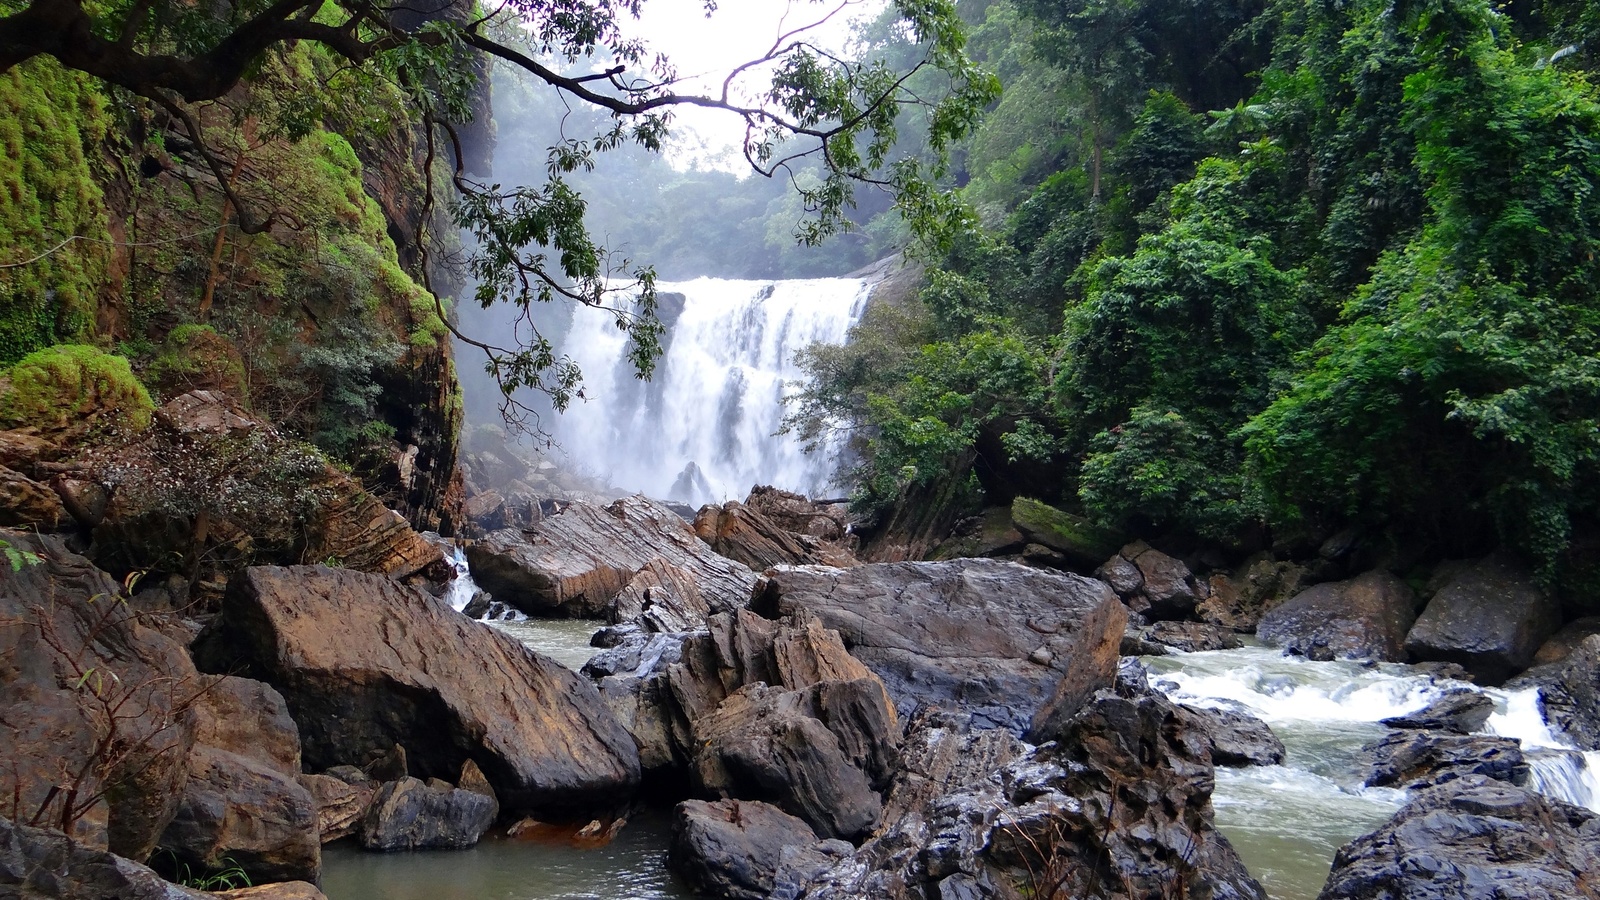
[478, 606]
[733, 848]
[77, 667]
[352, 775]
[410, 815]
[1569, 693]
[988, 534]
[486, 511]
[1366, 617]
[574, 563]
[960, 633]
[1489, 616]
[661, 597]
[366, 663]
[340, 806]
[25, 503]
[1082, 542]
[944, 754]
[1040, 555]
[1192, 637]
[1461, 712]
[283, 890]
[38, 864]
[1408, 758]
[1239, 601]
[250, 719]
[806, 752]
[1472, 839]
[638, 654]
[1562, 643]
[1152, 583]
[743, 534]
[237, 811]
[1237, 739]
[824, 520]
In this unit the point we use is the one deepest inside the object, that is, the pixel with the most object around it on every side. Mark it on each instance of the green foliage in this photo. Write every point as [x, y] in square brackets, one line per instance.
[74, 388]
[51, 125]
[196, 357]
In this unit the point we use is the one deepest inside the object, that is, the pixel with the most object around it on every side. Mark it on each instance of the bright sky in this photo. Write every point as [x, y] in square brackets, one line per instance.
[738, 31]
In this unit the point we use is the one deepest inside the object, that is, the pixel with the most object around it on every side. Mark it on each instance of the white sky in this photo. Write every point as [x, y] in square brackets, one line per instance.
[738, 31]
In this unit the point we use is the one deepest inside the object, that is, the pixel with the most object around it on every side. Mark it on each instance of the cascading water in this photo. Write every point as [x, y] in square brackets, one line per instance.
[1288, 821]
[703, 430]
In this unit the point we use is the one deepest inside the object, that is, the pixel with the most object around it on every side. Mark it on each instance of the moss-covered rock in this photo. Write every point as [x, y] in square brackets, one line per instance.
[72, 390]
[197, 358]
[1081, 541]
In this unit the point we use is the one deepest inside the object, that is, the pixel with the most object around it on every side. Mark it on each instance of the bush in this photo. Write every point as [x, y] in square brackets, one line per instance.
[74, 389]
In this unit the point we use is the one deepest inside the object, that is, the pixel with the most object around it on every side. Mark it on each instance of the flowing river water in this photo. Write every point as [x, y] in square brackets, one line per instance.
[1286, 821]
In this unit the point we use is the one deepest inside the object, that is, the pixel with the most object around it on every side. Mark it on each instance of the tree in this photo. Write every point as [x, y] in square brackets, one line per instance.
[530, 243]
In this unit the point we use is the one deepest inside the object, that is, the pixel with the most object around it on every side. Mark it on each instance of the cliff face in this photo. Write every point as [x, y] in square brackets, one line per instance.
[319, 323]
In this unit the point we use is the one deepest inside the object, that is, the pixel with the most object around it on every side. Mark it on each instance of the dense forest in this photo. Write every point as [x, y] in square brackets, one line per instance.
[1253, 273]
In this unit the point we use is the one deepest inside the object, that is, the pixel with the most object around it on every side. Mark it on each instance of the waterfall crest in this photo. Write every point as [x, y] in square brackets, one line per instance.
[703, 430]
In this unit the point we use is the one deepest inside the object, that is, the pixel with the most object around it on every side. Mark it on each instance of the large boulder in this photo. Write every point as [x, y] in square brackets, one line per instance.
[734, 849]
[412, 815]
[1460, 711]
[340, 805]
[997, 639]
[95, 705]
[1411, 758]
[1239, 600]
[1569, 693]
[366, 663]
[38, 864]
[1561, 644]
[575, 563]
[1473, 839]
[1489, 616]
[237, 811]
[1153, 584]
[1237, 739]
[743, 534]
[1366, 617]
[1082, 543]
[660, 597]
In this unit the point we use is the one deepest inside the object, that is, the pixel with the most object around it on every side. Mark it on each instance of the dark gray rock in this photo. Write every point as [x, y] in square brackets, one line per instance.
[1192, 637]
[1475, 838]
[1153, 584]
[965, 633]
[38, 864]
[1366, 617]
[1462, 712]
[1569, 693]
[478, 606]
[1490, 616]
[1237, 739]
[733, 848]
[1414, 759]
[410, 815]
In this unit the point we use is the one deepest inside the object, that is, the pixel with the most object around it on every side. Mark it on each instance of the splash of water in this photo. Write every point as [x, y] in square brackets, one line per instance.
[703, 430]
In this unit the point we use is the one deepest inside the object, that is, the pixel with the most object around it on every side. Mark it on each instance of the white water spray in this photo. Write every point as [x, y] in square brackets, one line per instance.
[703, 430]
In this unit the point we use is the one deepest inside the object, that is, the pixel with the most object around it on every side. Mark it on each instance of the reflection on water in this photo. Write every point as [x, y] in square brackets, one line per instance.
[564, 640]
[632, 867]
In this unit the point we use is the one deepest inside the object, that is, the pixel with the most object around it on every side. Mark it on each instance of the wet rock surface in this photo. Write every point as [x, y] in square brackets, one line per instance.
[366, 664]
[1487, 615]
[1190, 637]
[1461, 712]
[1412, 759]
[968, 633]
[737, 849]
[1569, 693]
[1366, 617]
[412, 815]
[1237, 739]
[1473, 839]
[576, 562]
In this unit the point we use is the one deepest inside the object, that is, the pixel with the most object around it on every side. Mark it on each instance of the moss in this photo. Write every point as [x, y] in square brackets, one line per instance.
[73, 388]
[196, 357]
[1081, 540]
[51, 122]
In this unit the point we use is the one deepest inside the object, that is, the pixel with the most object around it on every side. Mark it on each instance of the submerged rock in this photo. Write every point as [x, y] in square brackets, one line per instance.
[1366, 617]
[965, 633]
[366, 664]
[1473, 839]
[1488, 615]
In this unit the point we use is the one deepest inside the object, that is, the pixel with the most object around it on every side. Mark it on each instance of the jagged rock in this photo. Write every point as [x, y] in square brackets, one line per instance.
[988, 534]
[1366, 617]
[1472, 839]
[486, 510]
[944, 754]
[410, 815]
[574, 563]
[1239, 601]
[25, 503]
[1569, 693]
[637, 654]
[60, 627]
[1409, 758]
[741, 533]
[1152, 583]
[366, 663]
[662, 597]
[1488, 615]
[340, 806]
[472, 779]
[1237, 739]
[812, 753]
[38, 864]
[236, 810]
[1461, 712]
[1562, 643]
[797, 514]
[1082, 542]
[960, 633]
[734, 848]
[1191, 637]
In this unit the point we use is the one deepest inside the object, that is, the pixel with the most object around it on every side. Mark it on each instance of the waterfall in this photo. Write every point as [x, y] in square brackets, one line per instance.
[703, 430]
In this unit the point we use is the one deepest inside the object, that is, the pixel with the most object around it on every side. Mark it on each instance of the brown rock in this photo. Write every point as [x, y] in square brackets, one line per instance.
[366, 663]
[743, 534]
[1366, 617]
[238, 811]
[1489, 615]
[1562, 643]
[663, 598]
[283, 890]
[574, 563]
[340, 806]
[25, 503]
[250, 719]
[1239, 601]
